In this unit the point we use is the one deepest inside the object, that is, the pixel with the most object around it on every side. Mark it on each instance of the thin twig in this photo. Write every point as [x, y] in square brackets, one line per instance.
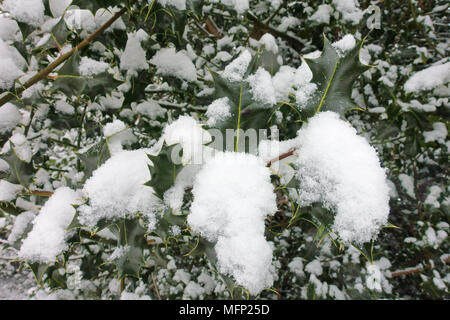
[281, 157]
[156, 287]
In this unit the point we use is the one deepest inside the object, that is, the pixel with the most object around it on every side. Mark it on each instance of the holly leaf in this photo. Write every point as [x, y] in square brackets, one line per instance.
[163, 170]
[39, 270]
[245, 112]
[266, 59]
[70, 81]
[164, 226]
[94, 156]
[130, 234]
[60, 32]
[26, 29]
[334, 76]
[20, 172]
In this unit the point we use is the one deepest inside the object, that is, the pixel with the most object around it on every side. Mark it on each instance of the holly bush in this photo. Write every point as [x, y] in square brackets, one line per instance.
[224, 149]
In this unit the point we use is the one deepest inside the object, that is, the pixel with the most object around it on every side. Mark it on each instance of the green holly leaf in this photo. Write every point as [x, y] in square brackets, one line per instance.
[60, 32]
[245, 113]
[94, 156]
[39, 270]
[334, 76]
[71, 82]
[130, 234]
[264, 59]
[165, 223]
[20, 172]
[26, 29]
[163, 170]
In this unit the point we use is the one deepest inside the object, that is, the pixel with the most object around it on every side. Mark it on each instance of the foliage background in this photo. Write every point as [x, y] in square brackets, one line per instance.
[414, 266]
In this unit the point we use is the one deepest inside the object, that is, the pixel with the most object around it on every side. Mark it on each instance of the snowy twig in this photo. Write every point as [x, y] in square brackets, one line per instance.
[47, 70]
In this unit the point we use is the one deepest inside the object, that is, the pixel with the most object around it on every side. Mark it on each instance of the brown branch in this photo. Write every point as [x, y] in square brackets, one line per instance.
[47, 70]
[415, 270]
[40, 193]
[156, 287]
[280, 157]
[212, 28]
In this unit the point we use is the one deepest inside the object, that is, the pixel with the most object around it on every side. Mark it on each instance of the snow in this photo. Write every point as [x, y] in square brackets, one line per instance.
[90, 67]
[235, 71]
[339, 169]
[27, 11]
[304, 93]
[239, 5]
[64, 107]
[407, 183]
[179, 4]
[262, 88]
[116, 190]
[303, 75]
[21, 223]
[190, 135]
[11, 65]
[133, 59]
[349, 10]
[433, 197]
[233, 195]
[118, 134]
[322, 15]
[21, 146]
[185, 179]
[347, 43]
[119, 252]
[103, 15]
[269, 42]
[218, 111]
[282, 82]
[151, 109]
[428, 78]
[133, 296]
[314, 267]
[296, 266]
[439, 133]
[373, 280]
[9, 117]
[177, 64]
[57, 7]
[8, 190]
[112, 101]
[48, 237]
[80, 19]
[8, 29]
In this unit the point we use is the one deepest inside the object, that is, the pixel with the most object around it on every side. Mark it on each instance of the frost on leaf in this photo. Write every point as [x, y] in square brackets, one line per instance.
[233, 195]
[339, 169]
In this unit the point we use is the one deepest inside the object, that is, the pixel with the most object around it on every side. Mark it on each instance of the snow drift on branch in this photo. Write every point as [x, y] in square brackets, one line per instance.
[233, 195]
[116, 190]
[342, 171]
[48, 237]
